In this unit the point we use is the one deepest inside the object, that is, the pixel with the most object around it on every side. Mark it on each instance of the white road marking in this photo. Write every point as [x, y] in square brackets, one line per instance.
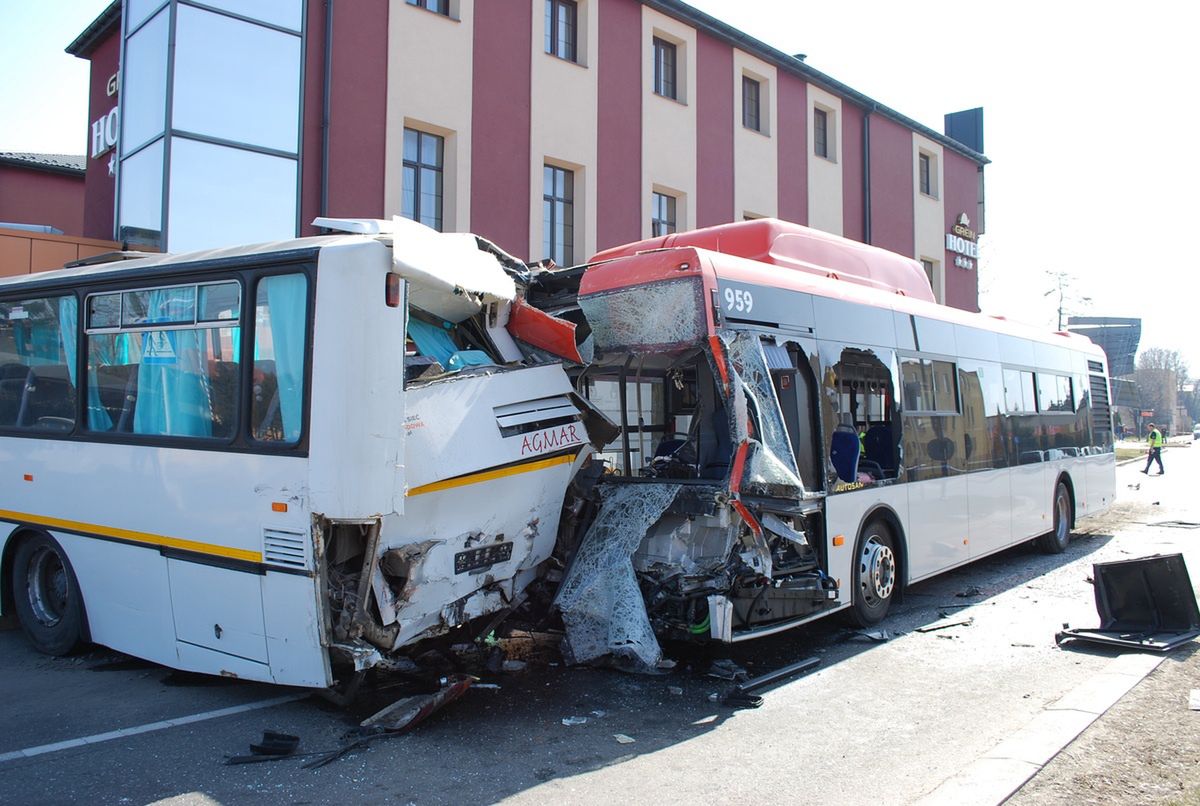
[97, 738]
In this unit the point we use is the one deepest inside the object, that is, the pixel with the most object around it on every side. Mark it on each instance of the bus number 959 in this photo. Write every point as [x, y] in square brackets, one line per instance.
[739, 300]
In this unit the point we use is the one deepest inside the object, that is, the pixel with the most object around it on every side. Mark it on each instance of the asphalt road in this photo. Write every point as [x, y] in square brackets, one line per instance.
[878, 722]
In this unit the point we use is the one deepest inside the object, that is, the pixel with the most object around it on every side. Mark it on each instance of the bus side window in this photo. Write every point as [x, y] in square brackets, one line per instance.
[277, 395]
[37, 363]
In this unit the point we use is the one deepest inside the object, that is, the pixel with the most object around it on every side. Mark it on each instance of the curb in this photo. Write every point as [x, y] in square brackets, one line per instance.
[999, 773]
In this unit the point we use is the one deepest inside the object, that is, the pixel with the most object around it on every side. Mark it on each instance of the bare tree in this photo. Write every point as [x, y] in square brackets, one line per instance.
[1159, 375]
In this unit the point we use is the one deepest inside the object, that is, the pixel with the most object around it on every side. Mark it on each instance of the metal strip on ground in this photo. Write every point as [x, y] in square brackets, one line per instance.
[97, 738]
[999, 773]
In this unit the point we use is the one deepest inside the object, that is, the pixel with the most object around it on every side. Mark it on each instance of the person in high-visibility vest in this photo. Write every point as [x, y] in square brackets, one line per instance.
[1154, 454]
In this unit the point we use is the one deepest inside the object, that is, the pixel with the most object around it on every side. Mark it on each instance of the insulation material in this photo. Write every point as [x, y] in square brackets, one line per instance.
[601, 603]
[771, 463]
[655, 318]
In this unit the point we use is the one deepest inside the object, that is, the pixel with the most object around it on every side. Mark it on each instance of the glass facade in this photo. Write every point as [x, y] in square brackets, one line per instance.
[210, 134]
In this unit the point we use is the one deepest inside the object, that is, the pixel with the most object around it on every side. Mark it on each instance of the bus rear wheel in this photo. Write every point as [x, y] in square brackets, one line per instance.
[1057, 540]
[46, 596]
[875, 574]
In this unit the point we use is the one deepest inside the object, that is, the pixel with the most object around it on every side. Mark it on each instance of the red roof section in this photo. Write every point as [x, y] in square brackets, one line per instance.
[803, 249]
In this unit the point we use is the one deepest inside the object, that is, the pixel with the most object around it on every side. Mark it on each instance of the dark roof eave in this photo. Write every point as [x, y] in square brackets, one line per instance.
[86, 42]
[726, 32]
[31, 165]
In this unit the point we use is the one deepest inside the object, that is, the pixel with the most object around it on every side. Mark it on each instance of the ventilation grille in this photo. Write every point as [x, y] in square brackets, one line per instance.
[1095, 366]
[1101, 411]
[281, 547]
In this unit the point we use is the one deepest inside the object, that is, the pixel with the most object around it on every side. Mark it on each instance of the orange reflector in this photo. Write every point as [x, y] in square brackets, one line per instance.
[278, 506]
[28, 477]
[965, 541]
[839, 540]
[392, 290]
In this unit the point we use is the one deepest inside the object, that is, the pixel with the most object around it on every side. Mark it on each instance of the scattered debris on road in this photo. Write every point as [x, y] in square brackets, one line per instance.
[878, 636]
[623, 739]
[946, 624]
[1194, 700]
[571, 721]
[741, 696]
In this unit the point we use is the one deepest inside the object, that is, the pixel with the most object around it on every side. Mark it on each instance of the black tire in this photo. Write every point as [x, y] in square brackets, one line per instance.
[46, 596]
[1057, 540]
[875, 574]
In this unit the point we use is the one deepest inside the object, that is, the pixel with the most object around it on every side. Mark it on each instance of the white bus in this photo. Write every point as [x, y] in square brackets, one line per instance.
[805, 430]
[278, 462]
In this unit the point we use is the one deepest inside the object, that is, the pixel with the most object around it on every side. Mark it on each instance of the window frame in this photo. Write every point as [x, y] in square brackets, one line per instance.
[418, 166]
[821, 132]
[752, 121]
[440, 7]
[665, 86]
[247, 270]
[553, 44]
[925, 174]
[667, 221]
[564, 205]
[929, 371]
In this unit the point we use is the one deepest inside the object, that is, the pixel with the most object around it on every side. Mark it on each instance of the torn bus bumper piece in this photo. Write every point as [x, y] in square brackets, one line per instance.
[1146, 604]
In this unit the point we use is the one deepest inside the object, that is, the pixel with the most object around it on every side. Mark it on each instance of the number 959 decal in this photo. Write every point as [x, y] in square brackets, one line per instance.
[737, 299]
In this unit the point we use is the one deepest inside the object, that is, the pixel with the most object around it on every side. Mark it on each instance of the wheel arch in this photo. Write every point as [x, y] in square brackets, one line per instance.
[7, 595]
[1065, 478]
[884, 513]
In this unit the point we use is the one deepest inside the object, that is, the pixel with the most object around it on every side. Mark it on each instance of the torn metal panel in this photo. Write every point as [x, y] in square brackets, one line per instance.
[1146, 603]
[549, 333]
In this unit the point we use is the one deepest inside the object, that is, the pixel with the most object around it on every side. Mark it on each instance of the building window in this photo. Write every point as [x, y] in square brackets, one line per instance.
[751, 117]
[928, 266]
[562, 30]
[821, 133]
[436, 6]
[665, 83]
[422, 192]
[558, 215]
[662, 221]
[927, 174]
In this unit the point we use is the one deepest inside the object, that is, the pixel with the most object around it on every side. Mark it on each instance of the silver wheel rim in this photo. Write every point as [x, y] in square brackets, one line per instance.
[876, 571]
[46, 585]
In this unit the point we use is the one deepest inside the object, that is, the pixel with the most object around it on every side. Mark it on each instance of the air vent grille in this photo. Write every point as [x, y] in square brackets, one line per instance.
[281, 547]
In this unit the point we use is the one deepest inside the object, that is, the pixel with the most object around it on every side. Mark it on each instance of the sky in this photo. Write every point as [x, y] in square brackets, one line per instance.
[1088, 120]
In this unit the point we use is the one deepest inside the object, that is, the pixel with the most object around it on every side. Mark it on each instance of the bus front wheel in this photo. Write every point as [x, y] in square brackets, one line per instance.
[1056, 541]
[875, 574]
[46, 596]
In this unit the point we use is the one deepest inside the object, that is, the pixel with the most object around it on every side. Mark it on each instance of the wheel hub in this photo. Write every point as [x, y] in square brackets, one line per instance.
[878, 571]
[47, 587]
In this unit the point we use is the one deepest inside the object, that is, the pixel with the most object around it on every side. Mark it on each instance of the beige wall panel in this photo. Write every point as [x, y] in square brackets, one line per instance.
[564, 99]
[825, 174]
[669, 126]
[929, 212]
[755, 154]
[429, 88]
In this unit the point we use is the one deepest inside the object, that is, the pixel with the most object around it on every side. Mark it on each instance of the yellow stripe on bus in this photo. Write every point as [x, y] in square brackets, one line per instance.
[488, 475]
[144, 538]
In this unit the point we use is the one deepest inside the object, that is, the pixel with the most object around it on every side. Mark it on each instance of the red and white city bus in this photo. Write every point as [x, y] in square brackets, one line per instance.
[805, 430]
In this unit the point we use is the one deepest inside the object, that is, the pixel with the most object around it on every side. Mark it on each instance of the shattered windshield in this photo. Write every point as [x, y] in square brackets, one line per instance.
[660, 317]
